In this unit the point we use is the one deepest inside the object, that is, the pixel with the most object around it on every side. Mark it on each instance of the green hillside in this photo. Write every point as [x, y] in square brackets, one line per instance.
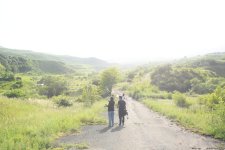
[19, 64]
[42, 99]
[190, 91]
[214, 62]
[75, 62]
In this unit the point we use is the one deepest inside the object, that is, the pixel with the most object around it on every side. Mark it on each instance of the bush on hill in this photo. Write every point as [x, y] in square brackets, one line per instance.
[14, 93]
[52, 86]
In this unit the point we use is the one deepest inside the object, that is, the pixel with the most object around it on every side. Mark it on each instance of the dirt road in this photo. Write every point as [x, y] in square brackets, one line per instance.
[144, 130]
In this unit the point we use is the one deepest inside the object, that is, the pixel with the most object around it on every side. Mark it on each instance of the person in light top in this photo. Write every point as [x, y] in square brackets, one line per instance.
[111, 111]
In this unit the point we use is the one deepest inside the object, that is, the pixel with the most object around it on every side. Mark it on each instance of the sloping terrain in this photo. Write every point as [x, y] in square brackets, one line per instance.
[44, 61]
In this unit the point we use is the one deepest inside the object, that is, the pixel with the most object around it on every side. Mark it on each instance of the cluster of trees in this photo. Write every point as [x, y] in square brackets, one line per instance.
[15, 64]
[18, 64]
[196, 87]
[15, 93]
[99, 86]
[108, 78]
[54, 67]
[90, 94]
[185, 79]
[89, 89]
[52, 86]
[207, 86]
[215, 98]
[15, 83]
[7, 76]
[217, 66]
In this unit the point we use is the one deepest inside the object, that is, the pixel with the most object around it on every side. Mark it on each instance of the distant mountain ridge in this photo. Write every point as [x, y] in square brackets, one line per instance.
[74, 62]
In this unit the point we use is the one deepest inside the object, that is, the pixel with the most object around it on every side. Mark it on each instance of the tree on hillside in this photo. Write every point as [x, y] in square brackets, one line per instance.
[180, 79]
[15, 64]
[52, 86]
[109, 77]
[131, 75]
[7, 76]
[90, 94]
[2, 68]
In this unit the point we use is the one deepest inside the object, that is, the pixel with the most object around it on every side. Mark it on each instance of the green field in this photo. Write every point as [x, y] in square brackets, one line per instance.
[39, 106]
[35, 124]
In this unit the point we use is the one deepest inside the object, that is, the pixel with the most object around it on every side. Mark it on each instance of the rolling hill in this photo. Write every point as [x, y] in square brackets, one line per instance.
[13, 60]
[213, 61]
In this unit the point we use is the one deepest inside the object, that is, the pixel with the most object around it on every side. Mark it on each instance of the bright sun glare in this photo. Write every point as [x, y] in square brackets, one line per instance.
[116, 31]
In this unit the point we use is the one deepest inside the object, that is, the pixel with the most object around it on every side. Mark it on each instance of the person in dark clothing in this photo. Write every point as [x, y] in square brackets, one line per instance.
[111, 111]
[122, 110]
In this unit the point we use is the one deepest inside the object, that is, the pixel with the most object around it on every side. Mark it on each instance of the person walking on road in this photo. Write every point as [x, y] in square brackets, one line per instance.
[122, 110]
[111, 111]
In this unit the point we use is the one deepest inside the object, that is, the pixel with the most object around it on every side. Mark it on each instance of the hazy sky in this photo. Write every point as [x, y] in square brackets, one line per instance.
[115, 30]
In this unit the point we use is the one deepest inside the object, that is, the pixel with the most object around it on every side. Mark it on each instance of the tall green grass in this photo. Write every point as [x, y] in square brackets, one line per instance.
[143, 90]
[196, 117]
[25, 125]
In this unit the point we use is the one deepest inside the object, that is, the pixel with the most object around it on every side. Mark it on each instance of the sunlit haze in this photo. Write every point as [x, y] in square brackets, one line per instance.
[116, 31]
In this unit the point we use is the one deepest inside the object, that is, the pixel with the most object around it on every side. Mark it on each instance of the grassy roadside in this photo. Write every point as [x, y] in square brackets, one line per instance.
[26, 125]
[195, 118]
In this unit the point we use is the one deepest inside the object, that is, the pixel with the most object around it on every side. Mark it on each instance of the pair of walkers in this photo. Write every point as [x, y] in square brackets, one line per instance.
[122, 110]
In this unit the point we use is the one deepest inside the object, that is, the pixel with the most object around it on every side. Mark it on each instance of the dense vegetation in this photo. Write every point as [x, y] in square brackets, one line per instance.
[109, 78]
[18, 64]
[200, 75]
[44, 106]
[185, 79]
[15, 64]
[214, 62]
[190, 91]
[203, 114]
[48, 63]
[44, 97]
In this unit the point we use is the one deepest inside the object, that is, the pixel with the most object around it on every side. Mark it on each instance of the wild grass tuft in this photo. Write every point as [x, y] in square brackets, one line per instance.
[79, 146]
[196, 118]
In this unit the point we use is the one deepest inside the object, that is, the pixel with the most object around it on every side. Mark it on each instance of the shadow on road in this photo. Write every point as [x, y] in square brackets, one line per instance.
[104, 130]
[118, 128]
